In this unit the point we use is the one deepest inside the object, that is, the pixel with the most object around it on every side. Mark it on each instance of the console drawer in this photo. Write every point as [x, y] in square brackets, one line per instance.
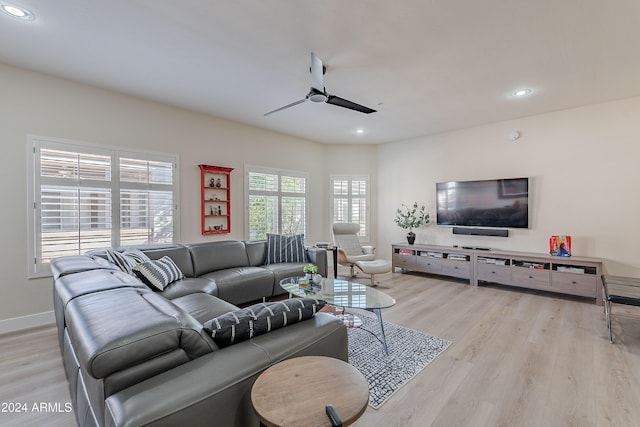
[429, 264]
[585, 285]
[460, 269]
[494, 273]
[530, 278]
[404, 261]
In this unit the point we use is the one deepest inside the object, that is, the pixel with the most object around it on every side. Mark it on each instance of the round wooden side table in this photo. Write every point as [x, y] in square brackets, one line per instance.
[295, 392]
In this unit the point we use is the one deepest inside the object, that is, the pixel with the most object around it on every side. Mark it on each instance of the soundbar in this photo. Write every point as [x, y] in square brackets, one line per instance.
[481, 231]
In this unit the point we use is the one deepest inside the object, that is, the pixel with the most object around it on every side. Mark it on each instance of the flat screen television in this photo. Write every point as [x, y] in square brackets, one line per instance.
[501, 203]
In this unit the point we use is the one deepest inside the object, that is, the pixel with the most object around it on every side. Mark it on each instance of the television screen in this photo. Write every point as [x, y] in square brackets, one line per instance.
[488, 203]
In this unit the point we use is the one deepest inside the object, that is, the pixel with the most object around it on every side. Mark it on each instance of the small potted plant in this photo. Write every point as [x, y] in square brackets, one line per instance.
[412, 217]
[312, 273]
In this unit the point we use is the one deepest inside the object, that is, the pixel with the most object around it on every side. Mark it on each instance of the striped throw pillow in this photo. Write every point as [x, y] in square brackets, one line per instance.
[241, 325]
[120, 260]
[158, 273]
[128, 259]
[285, 248]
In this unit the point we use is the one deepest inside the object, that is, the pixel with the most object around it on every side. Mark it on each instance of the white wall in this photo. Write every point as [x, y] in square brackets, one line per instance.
[353, 160]
[584, 164]
[585, 168]
[34, 103]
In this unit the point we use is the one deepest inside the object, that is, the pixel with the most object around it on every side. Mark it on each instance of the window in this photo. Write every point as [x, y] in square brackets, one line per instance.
[277, 202]
[86, 197]
[350, 202]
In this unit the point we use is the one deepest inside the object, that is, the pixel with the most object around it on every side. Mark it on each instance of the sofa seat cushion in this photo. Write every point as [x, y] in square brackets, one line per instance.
[282, 271]
[190, 285]
[241, 325]
[242, 284]
[203, 307]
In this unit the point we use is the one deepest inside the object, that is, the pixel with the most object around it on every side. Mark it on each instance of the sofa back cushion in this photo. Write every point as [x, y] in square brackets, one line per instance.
[214, 256]
[257, 252]
[77, 263]
[178, 254]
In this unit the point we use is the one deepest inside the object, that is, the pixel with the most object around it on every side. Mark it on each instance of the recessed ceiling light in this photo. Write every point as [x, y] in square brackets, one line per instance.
[522, 92]
[359, 131]
[17, 12]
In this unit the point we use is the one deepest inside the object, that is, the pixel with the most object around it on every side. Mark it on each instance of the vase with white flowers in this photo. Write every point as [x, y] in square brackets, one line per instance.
[410, 217]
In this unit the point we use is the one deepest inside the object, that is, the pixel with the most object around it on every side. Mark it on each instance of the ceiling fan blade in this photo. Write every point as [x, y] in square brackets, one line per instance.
[317, 79]
[340, 102]
[285, 107]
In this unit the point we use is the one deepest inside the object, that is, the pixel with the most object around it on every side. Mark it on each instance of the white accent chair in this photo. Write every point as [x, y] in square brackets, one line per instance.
[352, 254]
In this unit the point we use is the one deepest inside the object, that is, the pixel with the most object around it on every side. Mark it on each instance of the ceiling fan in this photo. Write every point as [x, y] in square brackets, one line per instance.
[317, 93]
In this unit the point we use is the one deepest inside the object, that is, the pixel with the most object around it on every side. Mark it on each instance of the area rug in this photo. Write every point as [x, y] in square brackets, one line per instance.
[409, 352]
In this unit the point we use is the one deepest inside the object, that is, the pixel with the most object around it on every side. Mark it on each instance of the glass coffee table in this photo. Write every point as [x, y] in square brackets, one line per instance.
[342, 293]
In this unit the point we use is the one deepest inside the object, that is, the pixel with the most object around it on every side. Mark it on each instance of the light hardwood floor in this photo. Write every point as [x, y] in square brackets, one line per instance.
[517, 358]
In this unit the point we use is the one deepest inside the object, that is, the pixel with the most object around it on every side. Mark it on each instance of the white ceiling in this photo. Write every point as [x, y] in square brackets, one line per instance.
[427, 66]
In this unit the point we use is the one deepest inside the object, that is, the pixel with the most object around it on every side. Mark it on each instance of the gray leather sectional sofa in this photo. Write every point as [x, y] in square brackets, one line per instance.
[138, 357]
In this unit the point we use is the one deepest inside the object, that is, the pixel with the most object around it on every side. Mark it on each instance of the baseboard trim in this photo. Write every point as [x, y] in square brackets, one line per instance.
[26, 322]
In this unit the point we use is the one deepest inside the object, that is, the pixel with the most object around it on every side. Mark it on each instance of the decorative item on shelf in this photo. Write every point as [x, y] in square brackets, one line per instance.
[412, 217]
[212, 182]
[211, 210]
[560, 246]
[218, 183]
[219, 210]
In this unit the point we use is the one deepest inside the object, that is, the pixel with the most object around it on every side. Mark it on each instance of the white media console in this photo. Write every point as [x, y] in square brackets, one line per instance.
[579, 276]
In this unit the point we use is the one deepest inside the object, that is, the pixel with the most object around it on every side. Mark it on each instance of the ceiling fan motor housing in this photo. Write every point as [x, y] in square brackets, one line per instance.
[316, 96]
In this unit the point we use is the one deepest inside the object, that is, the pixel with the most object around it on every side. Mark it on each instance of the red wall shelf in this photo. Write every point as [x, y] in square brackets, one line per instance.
[215, 196]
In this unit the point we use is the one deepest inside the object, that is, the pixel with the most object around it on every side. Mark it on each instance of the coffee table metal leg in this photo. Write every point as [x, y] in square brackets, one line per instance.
[607, 310]
[378, 313]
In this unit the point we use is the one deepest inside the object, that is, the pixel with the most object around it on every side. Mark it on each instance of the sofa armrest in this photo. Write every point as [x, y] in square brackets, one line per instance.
[318, 256]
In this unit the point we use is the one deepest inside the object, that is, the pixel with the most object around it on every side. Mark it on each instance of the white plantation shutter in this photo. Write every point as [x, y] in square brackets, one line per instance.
[146, 201]
[86, 197]
[350, 202]
[277, 202]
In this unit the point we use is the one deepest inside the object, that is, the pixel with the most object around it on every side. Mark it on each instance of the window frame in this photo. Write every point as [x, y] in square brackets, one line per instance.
[248, 169]
[365, 237]
[35, 143]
